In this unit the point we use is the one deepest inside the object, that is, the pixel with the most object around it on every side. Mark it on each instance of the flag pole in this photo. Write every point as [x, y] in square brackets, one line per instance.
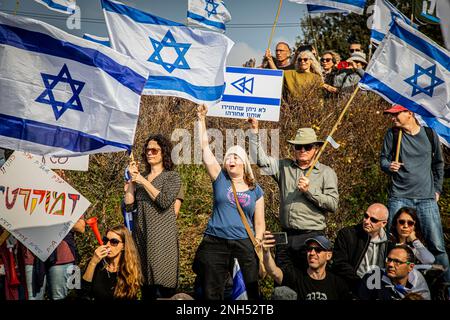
[333, 130]
[4, 236]
[311, 26]
[274, 24]
[399, 142]
[370, 51]
[17, 7]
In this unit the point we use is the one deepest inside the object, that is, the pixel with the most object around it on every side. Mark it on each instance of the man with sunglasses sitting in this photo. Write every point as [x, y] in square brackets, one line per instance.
[304, 201]
[359, 248]
[397, 279]
[316, 283]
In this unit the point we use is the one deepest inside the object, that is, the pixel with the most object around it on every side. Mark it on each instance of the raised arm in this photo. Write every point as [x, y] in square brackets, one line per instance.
[272, 269]
[212, 166]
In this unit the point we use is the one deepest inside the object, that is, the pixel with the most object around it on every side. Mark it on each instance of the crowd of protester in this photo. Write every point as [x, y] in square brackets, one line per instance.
[384, 257]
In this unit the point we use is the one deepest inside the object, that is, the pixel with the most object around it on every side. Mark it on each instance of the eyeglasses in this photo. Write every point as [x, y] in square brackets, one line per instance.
[355, 50]
[114, 242]
[302, 59]
[316, 249]
[153, 151]
[396, 261]
[325, 59]
[372, 219]
[402, 222]
[306, 147]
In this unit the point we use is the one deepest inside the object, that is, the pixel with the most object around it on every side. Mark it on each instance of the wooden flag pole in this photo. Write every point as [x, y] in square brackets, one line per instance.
[17, 7]
[4, 236]
[332, 130]
[274, 24]
[399, 142]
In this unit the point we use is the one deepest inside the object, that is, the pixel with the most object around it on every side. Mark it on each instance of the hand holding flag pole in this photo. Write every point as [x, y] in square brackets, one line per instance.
[332, 131]
[399, 142]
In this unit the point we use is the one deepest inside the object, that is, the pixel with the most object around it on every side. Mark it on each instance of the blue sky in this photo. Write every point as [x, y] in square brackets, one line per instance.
[250, 26]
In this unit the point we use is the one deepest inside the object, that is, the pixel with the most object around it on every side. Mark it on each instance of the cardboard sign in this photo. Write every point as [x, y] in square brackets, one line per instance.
[36, 206]
[250, 93]
[67, 163]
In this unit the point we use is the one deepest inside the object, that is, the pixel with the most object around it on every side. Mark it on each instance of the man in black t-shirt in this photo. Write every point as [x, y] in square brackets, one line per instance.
[316, 283]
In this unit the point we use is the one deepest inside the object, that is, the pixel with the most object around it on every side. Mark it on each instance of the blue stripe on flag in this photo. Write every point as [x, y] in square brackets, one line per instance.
[421, 45]
[42, 43]
[266, 72]
[137, 15]
[176, 84]
[54, 136]
[256, 100]
[57, 6]
[323, 9]
[356, 3]
[203, 20]
[378, 36]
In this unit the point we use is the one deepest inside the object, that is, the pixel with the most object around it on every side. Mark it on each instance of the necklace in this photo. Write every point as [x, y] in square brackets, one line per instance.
[108, 266]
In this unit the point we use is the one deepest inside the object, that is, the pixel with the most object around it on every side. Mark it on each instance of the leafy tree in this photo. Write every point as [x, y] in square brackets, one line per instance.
[337, 31]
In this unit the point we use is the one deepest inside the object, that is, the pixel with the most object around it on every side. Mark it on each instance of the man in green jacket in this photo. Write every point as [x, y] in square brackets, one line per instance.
[304, 201]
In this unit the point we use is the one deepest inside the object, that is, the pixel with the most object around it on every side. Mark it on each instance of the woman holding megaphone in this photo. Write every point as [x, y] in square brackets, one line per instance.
[114, 271]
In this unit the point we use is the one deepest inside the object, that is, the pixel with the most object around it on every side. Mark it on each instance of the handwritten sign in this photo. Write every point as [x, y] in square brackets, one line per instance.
[36, 205]
[67, 163]
[250, 93]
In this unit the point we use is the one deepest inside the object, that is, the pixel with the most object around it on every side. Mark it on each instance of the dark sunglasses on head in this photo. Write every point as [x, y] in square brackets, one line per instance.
[153, 151]
[325, 59]
[303, 59]
[307, 147]
[113, 242]
[403, 222]
[372, 219]
[355, 50]
[316, 249]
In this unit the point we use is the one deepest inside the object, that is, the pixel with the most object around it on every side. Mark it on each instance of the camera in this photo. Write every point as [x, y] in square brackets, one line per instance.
[280, 238]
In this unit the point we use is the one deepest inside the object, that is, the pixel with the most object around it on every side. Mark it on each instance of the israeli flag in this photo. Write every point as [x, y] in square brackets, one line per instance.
[383, 15]
[356, 6]
[239, 289]
[211, 14]
[411, 70]
[62, 6]
[101, 40]
[313, 9]
[183, 62]
[63, 95]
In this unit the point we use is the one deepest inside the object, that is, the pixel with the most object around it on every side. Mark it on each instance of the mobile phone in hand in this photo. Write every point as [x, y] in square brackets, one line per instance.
[280, 238]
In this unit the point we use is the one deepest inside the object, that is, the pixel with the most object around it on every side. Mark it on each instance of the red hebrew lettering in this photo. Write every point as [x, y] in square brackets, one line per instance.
[8, 204]
[26, 199]
[61, 198]
[34, 201]
[74, 198]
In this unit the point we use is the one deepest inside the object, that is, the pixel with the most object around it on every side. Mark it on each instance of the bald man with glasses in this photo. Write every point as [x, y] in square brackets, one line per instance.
[360, 247]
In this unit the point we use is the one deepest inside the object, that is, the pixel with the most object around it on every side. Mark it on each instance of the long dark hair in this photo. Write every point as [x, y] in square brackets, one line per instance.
[166, 151]
[413, 214]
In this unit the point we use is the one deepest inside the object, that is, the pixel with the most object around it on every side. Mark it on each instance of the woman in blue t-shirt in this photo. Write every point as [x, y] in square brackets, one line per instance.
[225, 237]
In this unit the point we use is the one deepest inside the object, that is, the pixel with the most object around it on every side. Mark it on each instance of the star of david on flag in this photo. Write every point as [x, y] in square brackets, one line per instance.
[48, 96]
[169, 42]
[411, 70]
[183, 62]
[211, 14]
[63, 95]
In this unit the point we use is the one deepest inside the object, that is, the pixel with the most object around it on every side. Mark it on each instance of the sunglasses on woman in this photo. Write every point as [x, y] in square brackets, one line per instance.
[303, 59]
[325, 59]
[114, 242]
[402, 222]
[153, 151]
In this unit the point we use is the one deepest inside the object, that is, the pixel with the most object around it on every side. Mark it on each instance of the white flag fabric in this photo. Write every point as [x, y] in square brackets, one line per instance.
[411, 70]
[63, 95]
[384, 14]
[239, 291]
[443, 13]
[356, 6]
[211, 14]
[102, 40]
[183, 62]
[62, 6]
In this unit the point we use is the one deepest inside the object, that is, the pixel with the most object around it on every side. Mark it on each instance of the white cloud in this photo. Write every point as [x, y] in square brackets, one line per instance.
[242, 52]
